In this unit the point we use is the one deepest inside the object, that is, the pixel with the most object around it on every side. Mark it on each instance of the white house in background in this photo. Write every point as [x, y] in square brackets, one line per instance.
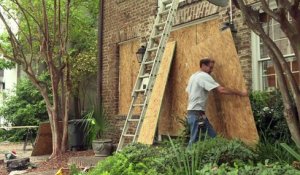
[8, 78]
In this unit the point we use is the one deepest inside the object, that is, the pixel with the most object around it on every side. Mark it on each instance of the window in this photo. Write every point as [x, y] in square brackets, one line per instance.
[264, 77]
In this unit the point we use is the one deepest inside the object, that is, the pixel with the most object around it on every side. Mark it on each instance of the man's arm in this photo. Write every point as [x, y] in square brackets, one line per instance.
[228, 91]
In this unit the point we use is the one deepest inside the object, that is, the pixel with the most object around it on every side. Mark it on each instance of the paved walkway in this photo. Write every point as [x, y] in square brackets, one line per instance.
[82, 161]
[51, 172]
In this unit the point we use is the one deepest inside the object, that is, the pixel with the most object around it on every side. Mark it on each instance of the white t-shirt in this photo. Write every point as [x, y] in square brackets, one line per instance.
[200, 83]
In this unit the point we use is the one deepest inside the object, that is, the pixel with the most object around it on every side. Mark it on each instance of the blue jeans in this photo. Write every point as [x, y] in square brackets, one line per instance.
[193, 121]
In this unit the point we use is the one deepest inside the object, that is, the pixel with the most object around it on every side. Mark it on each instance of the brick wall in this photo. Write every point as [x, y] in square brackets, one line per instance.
[123, 20]
[128, 19]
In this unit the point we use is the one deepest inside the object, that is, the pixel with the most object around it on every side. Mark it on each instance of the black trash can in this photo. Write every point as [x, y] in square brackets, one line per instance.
[77, 138]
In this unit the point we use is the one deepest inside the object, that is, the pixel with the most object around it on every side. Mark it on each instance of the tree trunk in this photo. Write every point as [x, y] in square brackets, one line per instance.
[67, 92]
[65, 123]
[56, 136]
[56, 139]
[282, 70]
[293, 124]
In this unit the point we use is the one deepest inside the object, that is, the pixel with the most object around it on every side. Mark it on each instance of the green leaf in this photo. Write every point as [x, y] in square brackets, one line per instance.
[291, 151]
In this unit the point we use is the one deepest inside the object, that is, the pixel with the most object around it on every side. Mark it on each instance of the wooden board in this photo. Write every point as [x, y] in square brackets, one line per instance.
[129, 68]
[43, 141]
[149, 124]
[231, 116]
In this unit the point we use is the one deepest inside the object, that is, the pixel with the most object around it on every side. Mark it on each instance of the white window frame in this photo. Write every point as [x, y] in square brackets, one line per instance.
[257, 78]
[257, 66]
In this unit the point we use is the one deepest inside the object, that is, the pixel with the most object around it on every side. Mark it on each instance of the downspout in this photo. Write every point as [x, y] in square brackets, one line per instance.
[100, 51]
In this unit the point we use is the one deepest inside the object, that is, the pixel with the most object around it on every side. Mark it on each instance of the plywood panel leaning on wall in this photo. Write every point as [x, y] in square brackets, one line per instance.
[231, 116]
[149, 124]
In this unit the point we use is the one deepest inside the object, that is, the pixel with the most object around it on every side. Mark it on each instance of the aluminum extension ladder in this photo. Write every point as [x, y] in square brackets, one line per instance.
[148, 69]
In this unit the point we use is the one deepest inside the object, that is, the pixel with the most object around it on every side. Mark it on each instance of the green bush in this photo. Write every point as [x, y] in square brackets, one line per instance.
[173, 158]
[136, 159]
[268, 114]
[273, 152]
[216, 156]
[216, 150]
[259, 169]
[25, 107]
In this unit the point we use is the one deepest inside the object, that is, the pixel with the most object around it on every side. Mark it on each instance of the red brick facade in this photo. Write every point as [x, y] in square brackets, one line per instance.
[129, 19]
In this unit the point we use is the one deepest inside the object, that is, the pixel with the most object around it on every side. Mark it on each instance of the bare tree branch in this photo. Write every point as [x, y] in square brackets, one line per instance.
[12, 58]
[277, 56]
[67, 23]
[29, 31]
[32, 16]
[54, 23]
[296, 3]
[266, 8]
[17, 48]
[14, 19]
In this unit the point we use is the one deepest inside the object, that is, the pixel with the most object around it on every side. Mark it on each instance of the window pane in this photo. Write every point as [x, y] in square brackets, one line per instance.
[268, 68]
[290, 49]
[295, 66]
[270, 31]
[263, 51]
[296, 76]
[269, 82]
[278, 33]
[283, 46]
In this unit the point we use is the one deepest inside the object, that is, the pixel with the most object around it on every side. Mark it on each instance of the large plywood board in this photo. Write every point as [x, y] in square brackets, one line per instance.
[231, 116]
[128, 72]
[149, 124]
[183, 66]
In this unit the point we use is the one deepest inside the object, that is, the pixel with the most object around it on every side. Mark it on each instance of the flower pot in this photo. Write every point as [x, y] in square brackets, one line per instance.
[102, 147]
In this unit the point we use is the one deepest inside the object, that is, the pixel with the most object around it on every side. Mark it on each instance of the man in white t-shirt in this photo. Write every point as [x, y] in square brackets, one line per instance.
[200, 84]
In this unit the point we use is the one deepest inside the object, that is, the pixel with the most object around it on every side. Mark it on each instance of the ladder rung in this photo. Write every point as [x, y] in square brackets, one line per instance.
[144, 76]
[149, 62]
[139, 90]
[164, 12]
[137, 105]
[167, 1]
[157, 36]
[160, 24]
[133, 120]
[153, 49]
[128, 135]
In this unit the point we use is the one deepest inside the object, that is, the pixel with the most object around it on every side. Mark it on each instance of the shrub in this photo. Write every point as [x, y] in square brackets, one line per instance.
[259, 169]
[136, 159]
[173, 158]
[272, 152]
[268, 114]
[216, 150]
[25, 107]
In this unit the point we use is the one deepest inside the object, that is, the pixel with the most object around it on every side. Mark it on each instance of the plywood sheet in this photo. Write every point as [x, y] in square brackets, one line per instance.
[128, 72]
[149, 124]
[184, 64]
[231, 116]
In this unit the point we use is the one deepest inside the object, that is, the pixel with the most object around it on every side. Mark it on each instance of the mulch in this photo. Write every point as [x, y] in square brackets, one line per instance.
[55, 163]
